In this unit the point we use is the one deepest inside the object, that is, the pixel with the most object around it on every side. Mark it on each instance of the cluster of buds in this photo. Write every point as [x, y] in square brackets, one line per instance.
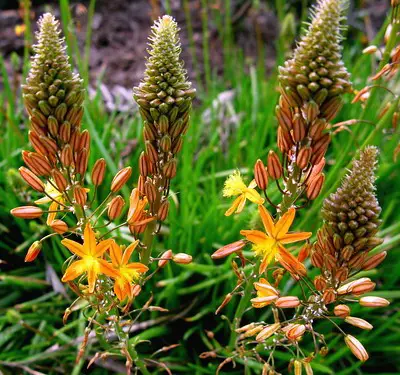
[165, 100]
[311, 85]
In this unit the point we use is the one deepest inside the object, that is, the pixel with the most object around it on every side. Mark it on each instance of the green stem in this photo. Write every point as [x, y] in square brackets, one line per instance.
[148, 242]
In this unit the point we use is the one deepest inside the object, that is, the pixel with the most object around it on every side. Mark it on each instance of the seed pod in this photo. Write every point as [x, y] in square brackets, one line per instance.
[120, 179]
[98, 172]
[260, 175]
[31, 179]
[27, 212]
[33, 251]
[59, 226]
[59, 180]
[274, 165]
[115, 207]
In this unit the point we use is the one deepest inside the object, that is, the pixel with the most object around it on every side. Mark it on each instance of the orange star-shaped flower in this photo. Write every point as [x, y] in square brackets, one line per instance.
[269, 245]
[127, 273]
[91, 260]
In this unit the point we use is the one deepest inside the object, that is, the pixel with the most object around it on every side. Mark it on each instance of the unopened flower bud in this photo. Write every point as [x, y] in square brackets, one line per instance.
[27, 212]
[372, 301]
[320, 282]
[303, 157]
[163, 210]
[229, 249]
[356, 348]
[82, 161]
[295, 331]
[260, 175]
[182, 258]
[40, 163]
[165, 257]
[358, 322]
[31, 179]
[169, 168]
[341, 311]
[315, 187]
[226, 300]
[120, 179]
[150, 191]
[98, 172]
[297, 367]
[267, 331]
[33, 251]
[287, 302]
[59, 226]
[370, 50]
[274, 166]
[143, 164]
[80, 195]
[329, 296]
[374, 261]
[59, 180]
[115, 207]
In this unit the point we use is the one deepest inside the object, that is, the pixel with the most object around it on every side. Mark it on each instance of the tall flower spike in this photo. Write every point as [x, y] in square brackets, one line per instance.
[351, 216]
[165, 99]
[53, 95]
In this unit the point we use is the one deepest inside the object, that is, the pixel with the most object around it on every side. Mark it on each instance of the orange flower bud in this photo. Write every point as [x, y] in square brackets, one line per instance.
[59, 180]
[98, 172]
[226, 300]
[341, 311]
[80, 195]
[311, 110]
[284, 119]
[315, 187]
[317, 259]
[169, 168]
[140, 186]
[120, 179]
[319, 148]
[245, 328]
[267, 331]
[304, 252]
[66, 155]
[177, 145]
[37, 144]
[59, 226]
[252, 332]
[65, 132]
[229, 249]
[182, 258]
[33, 251]
[165, 257]
[82, 161]
[362, 288]
[299, 128]
[136, 290]
[295, 331]
[150, 191]
[27, 212]
[163, 210]
[31, 179]
[115, 207]
[303, 157]
[374, 261]
[260, 175]
[84, 141]
[287, 302]
[166, 143]
[49, 144]
[342, 274]
[320, 282]
[329, 296]
[284, 140]
[372, 301]
[143, 164]
[274, 165]
[356, 348]
[358, 322]
[151, 152]
[74, 140]
[41, 164]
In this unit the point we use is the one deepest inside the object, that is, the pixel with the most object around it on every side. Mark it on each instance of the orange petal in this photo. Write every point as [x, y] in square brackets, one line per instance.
[89, 240]
[92, 277]
[138, 267]
[128, 252]
[236, 203]
[294, 237]
[263, 265]
[115, 254]
[267, 220]
[284, 223]
[254, 236]
[74, 270]
[102, 246]
[74, 247]
[290, 262]
[107, 269]
[52, 215]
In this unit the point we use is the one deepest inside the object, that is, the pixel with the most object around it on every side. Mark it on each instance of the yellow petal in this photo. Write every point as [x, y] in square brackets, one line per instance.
[239, 201]
[52, 215]
[89, 240]
[255, 236]
[115, 254]
[294, 237]
[128, 252]
[92, 277]
[43, 200]
[253, 196]
[74, 270]
[284, 223]
[267, 220]
[138, 267]
[74, 247]
[266, 261]
[252, 184]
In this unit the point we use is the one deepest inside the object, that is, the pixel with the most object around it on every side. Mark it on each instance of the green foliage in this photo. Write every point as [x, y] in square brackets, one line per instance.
[222, 135]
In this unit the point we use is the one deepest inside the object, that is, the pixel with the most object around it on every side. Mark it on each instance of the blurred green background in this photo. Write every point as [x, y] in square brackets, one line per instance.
[232, 49]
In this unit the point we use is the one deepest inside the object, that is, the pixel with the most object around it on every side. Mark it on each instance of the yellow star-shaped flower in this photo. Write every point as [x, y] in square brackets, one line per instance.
[127, 273]
[91, 260]
[269, 245]
[234, 185]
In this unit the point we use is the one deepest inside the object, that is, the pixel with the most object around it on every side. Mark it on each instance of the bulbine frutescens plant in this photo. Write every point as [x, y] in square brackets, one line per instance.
[311, 85]
[105, 273]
